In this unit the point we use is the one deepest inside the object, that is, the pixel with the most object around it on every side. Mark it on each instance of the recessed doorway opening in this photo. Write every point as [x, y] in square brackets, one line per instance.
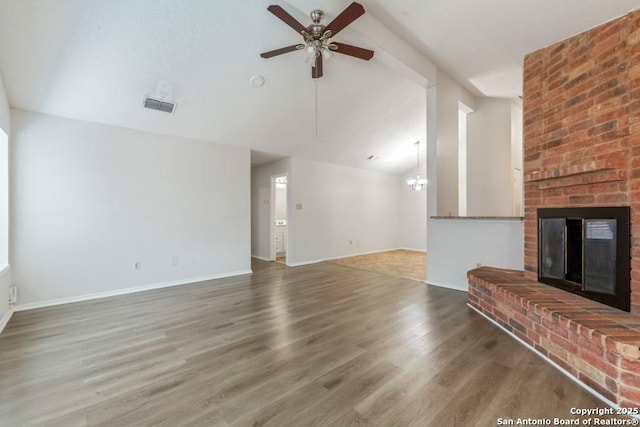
[279, 230]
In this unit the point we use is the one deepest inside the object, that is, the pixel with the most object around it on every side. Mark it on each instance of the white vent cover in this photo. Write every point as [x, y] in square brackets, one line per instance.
[156, 104]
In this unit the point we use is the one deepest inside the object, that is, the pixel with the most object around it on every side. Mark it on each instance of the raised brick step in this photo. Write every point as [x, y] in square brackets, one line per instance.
[597, 344]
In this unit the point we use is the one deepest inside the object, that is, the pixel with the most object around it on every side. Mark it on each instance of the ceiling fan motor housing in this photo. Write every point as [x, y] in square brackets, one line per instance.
[315, 30]
[316, 16]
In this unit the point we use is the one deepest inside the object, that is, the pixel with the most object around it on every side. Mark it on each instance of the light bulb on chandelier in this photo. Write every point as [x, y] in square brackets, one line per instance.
[418, 183]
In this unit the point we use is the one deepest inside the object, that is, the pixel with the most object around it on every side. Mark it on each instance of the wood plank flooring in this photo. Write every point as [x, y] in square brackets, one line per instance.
[399, 262]
[319, 345]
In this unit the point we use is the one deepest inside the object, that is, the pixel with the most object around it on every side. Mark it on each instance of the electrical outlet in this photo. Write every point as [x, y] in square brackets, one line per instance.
[137, 265]
[175, 261]
[13, 295]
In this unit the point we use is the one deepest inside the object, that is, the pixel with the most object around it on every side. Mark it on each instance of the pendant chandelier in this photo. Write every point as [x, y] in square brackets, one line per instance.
[418, 183]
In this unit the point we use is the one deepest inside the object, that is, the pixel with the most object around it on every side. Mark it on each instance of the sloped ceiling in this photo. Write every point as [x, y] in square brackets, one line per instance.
[95, 60]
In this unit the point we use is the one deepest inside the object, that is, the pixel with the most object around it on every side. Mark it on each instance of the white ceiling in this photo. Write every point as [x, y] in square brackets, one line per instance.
[95, 60]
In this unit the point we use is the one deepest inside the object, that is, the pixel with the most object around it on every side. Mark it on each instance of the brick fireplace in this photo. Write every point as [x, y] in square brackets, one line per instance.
[582, 130]
[581, 150]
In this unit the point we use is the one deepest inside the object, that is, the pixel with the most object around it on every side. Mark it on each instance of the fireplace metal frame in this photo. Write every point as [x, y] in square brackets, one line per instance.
[622, 215]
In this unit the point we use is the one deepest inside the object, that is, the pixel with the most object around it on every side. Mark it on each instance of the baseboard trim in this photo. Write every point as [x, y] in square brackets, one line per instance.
[301, 263]
[446, 285]
[4, 269]
[546, 359]
[360, 254]
[261, 258]
[315, 261]
[5, 319]
[88, 297]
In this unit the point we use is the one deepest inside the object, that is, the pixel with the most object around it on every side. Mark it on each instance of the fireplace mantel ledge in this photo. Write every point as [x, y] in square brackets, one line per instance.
[576, 169]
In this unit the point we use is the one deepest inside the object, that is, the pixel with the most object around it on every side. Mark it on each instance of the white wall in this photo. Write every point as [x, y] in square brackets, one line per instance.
[4, 198]
[5, 116]
[261, 203]
[489, 173]
[5, 283]
[344, 211]
[89, 200]
[412, 216]
[516, 158]
[449, 94]
[5, 272]
[456, 245]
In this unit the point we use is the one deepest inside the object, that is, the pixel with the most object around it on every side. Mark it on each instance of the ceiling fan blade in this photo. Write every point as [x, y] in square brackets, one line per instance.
[350, 14]
[282, 50]
[287, 19]
[355, 51]
[316, 70]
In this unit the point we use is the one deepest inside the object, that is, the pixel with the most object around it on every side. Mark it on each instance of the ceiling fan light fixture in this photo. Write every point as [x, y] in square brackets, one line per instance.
[317, 37]
[326, 54]
[311, 60]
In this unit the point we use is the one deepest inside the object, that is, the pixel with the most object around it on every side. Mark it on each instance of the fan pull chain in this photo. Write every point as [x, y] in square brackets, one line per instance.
[316, 89]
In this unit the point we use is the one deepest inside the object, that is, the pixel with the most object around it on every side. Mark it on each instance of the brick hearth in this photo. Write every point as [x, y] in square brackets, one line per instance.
[597, 344]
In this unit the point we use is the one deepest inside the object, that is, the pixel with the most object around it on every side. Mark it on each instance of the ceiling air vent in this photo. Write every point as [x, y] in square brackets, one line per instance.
[155, 104]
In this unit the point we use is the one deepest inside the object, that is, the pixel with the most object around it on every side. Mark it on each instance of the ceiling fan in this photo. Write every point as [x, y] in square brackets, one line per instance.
[317, 37]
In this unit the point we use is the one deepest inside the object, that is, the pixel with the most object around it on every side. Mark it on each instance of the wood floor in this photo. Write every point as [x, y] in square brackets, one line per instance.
[399, 262]
[319, 345]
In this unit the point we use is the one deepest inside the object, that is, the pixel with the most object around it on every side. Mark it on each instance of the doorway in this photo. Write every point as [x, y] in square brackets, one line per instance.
[279, 227]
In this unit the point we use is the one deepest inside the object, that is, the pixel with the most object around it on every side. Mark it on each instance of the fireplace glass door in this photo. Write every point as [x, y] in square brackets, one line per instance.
[552, 258]
[580, 251]
[600, 256]
[586, 251]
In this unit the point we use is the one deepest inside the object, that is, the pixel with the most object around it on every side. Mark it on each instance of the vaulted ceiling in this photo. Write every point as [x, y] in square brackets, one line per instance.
[96, 60]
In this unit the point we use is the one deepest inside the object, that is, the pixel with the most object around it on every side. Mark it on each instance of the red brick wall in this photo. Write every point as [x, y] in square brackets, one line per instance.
[582, 130]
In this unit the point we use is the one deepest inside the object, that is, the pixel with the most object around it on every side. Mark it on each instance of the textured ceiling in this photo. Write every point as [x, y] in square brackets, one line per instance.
[95, 60]
[482, 43]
